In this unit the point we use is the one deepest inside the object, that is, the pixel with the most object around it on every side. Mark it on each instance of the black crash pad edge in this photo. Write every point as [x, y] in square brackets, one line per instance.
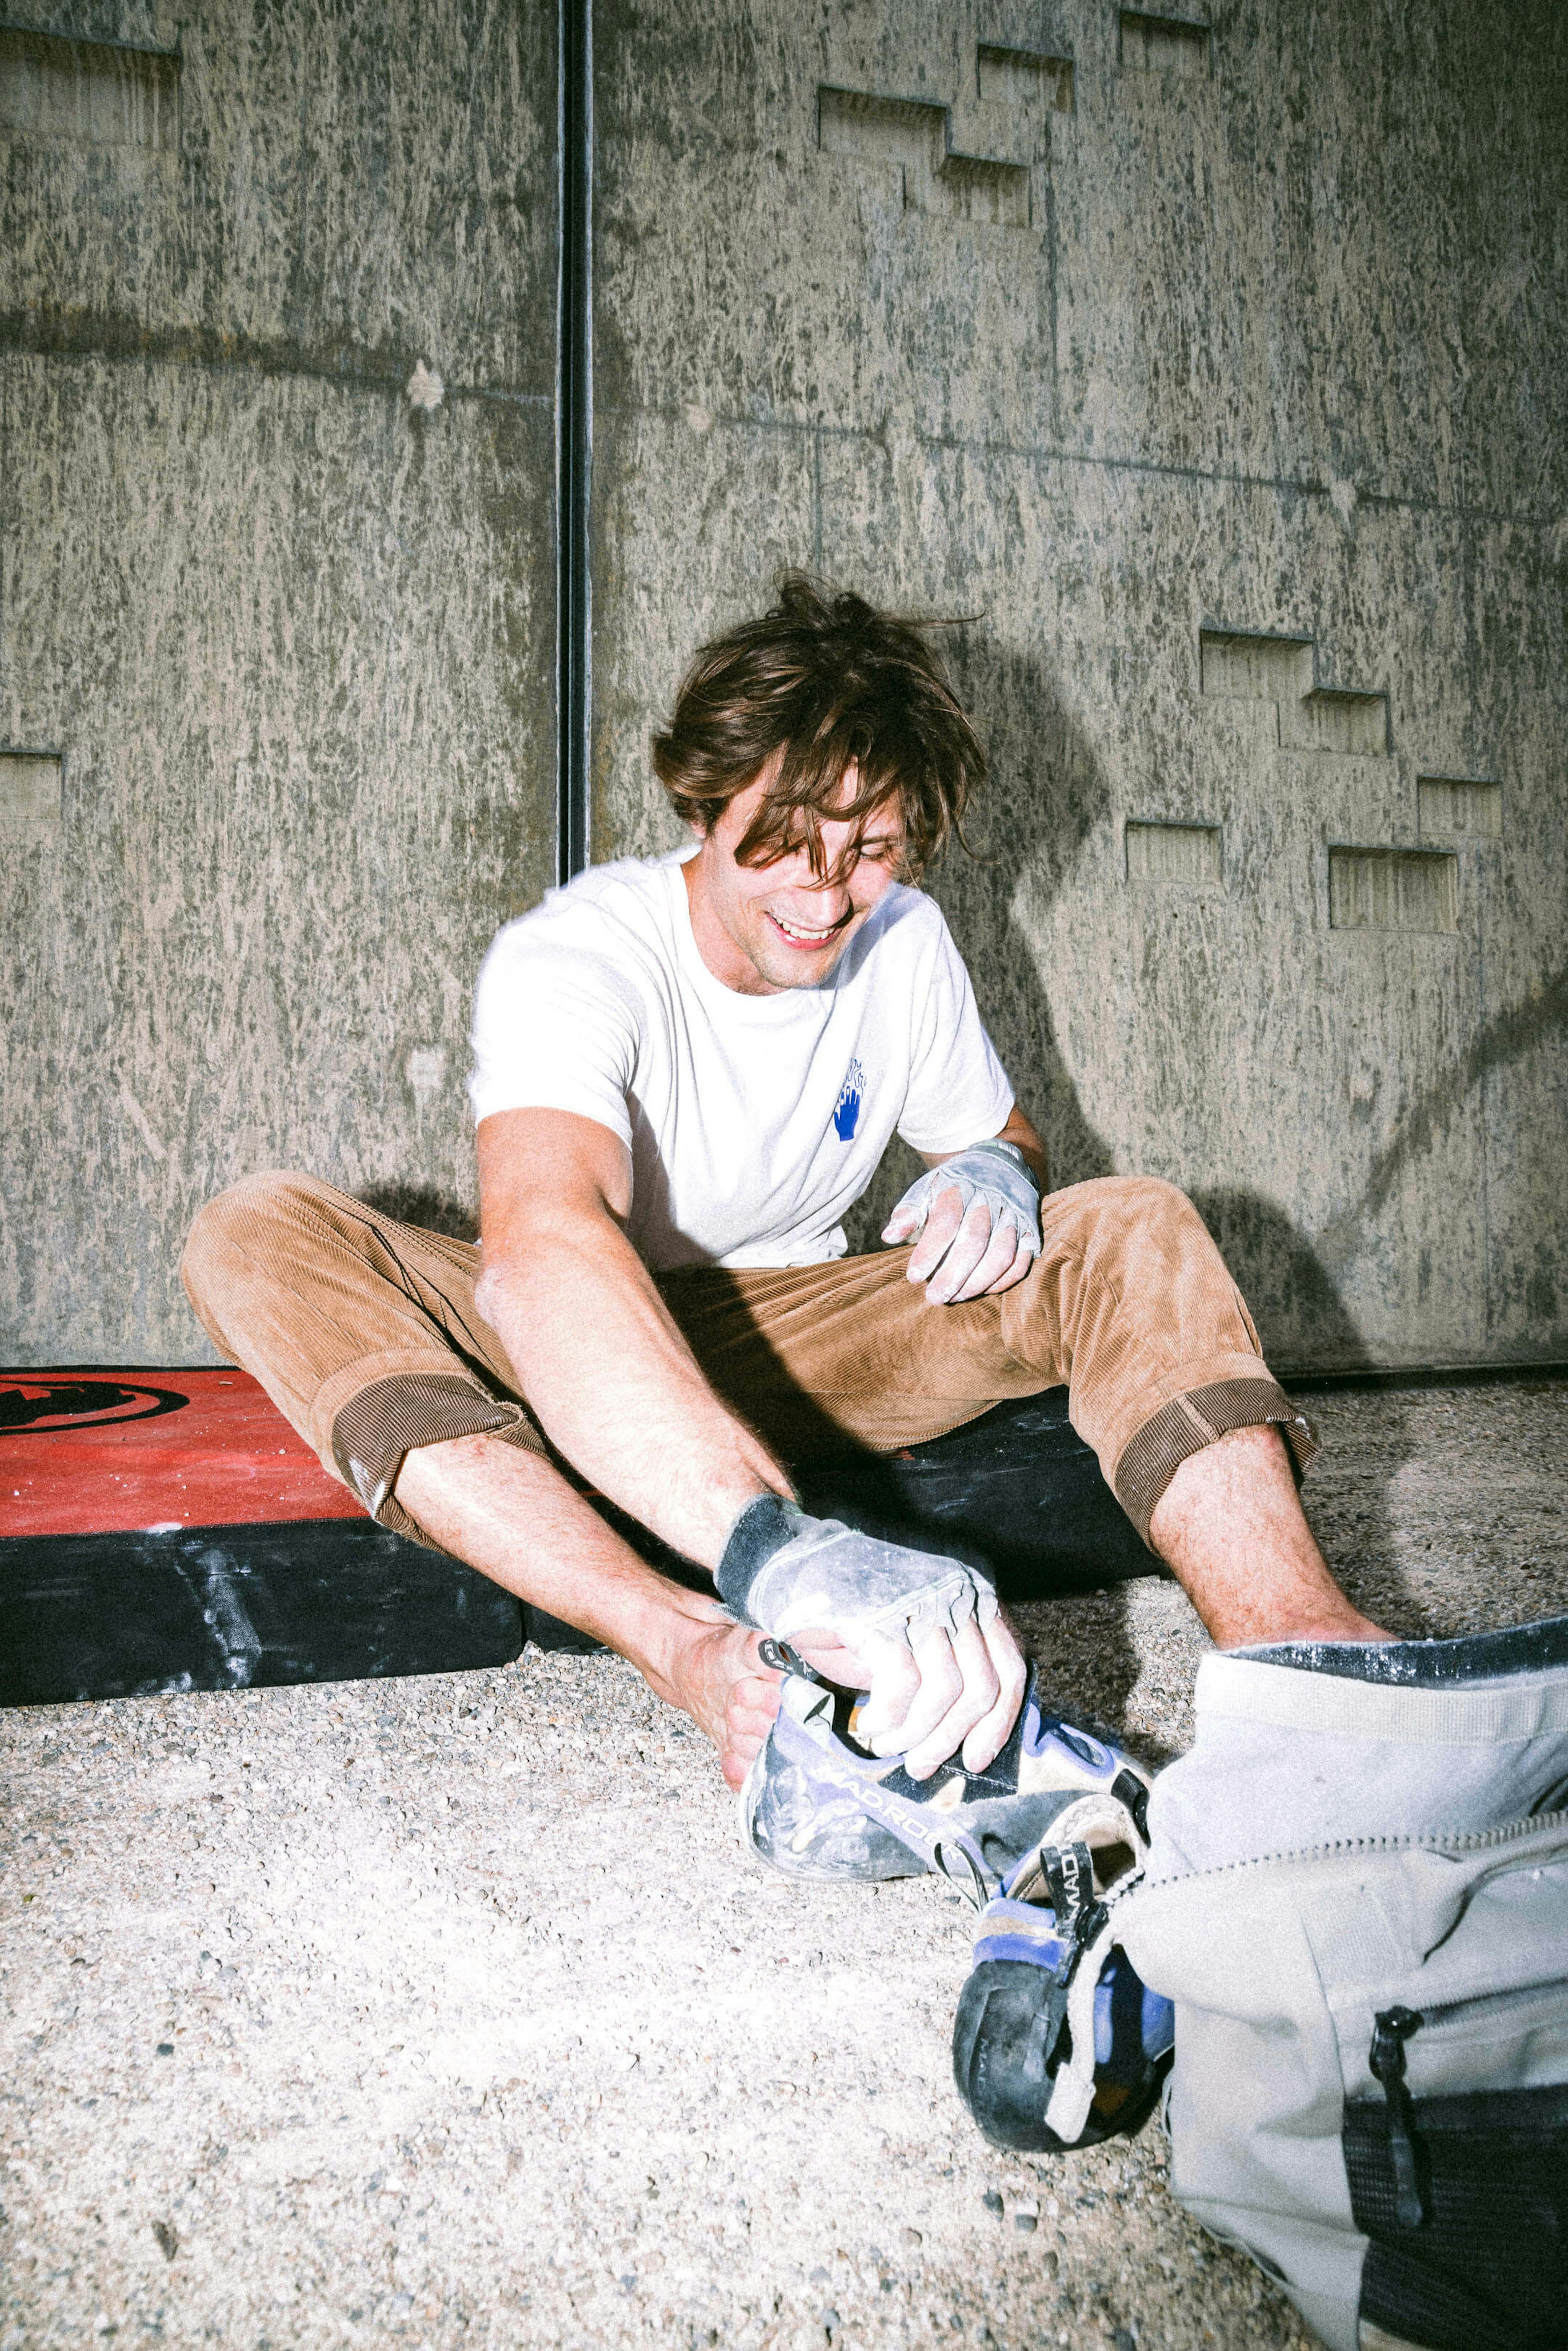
[239, 1607]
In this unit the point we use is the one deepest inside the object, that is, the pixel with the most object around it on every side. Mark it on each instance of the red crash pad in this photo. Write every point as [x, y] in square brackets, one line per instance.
[101, 1452]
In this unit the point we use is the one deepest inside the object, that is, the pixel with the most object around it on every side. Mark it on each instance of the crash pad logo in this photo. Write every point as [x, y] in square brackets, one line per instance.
[846, 1116]
[42, 1405]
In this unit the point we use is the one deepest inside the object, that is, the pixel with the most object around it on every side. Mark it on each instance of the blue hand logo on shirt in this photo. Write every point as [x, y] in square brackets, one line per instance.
[846, 1116]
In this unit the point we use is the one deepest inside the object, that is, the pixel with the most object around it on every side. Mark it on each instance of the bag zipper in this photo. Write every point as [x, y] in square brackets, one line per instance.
[1433, 1840]
[1391, 2030]
[1545, 1997]
[1387, 2062]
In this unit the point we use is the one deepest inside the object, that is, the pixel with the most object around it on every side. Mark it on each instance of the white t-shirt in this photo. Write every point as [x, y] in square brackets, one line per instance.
[754, 1121]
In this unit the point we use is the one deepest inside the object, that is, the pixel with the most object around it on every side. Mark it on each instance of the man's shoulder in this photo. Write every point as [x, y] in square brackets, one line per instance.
[618, 911]
[913, 912]
[621, 889]
[907, 928]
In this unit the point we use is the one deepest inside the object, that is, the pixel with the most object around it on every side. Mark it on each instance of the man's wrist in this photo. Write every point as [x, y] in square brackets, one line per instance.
[766, 1524]
[1009, 1150]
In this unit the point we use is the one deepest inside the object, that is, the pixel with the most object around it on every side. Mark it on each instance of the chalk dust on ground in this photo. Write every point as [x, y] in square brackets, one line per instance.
[449, 2012]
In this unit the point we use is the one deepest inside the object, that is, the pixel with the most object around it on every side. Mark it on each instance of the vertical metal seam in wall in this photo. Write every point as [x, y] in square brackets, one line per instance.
[574, 435]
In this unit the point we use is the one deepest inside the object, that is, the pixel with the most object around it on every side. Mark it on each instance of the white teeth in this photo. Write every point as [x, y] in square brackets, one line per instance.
[794, 931]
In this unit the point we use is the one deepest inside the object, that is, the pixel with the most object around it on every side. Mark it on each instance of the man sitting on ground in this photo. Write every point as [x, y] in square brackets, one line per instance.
[686, 1071]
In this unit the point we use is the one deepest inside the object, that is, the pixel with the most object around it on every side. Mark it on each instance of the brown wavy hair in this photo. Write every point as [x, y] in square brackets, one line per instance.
[824, 678]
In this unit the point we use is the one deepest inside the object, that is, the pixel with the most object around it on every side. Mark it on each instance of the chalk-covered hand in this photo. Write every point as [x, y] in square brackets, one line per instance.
[974, 1220]
[923, 1632]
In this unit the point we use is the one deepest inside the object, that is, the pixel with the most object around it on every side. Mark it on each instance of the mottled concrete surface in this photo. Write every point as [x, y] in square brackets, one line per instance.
[1274, 350]
[450, 2012]
[1253, 331]
[292, 630]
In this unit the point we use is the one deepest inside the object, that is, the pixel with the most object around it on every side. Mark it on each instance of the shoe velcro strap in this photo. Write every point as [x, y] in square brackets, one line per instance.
[1073, 2086]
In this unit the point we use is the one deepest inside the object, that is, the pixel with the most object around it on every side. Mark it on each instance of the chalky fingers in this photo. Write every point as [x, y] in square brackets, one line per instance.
[991, 1733]
[974, 1703]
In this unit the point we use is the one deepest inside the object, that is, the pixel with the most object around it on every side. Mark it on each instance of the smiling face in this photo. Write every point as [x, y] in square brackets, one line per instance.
[762, 929]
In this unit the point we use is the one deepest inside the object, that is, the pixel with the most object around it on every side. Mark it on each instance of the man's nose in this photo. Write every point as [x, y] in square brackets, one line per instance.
[831, 892]
[840, 855]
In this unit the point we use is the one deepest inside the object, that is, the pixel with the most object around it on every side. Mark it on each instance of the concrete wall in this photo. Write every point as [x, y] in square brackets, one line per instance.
[284, 635]
[1223, 375]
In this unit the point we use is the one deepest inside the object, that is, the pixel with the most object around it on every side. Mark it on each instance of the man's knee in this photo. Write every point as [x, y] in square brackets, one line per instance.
[1141, 1201]
[257, 1215]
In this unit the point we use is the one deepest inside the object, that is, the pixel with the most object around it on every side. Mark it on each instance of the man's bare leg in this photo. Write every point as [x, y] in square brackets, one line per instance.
[1232, 1528]
[512, 1515]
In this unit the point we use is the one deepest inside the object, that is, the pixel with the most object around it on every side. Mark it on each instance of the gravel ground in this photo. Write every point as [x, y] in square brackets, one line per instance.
[449, 2012]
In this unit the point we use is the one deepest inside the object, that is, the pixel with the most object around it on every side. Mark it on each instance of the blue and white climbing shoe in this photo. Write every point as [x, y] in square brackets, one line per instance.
[1057, 2042]
[818, 1804]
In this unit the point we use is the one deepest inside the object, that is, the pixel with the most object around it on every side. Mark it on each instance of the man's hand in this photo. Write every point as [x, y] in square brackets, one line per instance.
[978, 1218]
[923, 1632]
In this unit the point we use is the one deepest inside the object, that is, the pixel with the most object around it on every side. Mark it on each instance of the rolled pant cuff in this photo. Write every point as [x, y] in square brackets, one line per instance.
[374, 1430]
[1182, 1427]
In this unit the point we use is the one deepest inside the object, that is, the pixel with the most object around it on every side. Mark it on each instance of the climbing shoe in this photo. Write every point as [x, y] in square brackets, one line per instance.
[818, 1804]
[1057, 2041]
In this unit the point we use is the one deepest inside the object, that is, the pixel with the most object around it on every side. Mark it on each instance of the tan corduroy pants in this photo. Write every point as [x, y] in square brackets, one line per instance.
[364, 1332]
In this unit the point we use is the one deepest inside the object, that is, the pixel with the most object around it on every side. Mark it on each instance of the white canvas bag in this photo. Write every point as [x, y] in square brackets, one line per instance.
[1356, 1896]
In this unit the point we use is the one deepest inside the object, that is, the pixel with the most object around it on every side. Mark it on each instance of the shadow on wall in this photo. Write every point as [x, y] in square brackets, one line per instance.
[1286, 1288]
[1283, 1280]
[1048, 796]
[421, 1205]
[1509, 1037]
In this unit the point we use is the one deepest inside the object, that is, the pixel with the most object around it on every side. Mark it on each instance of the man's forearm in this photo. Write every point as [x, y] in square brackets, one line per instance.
[611, 1381]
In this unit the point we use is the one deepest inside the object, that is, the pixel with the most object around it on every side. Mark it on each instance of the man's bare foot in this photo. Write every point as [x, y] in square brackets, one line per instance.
[720, 1681]
[513, 1516]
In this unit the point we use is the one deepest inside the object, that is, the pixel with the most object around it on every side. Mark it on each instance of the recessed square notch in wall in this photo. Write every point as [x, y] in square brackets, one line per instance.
[30, 787]
[1185, 855]
[1458, 808]
[1394, 890]
[1351, 721]
[1152, 44]
[1341, 719]
[911, 136]
[1254, 668]
[100, 93]
[1023, 77]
